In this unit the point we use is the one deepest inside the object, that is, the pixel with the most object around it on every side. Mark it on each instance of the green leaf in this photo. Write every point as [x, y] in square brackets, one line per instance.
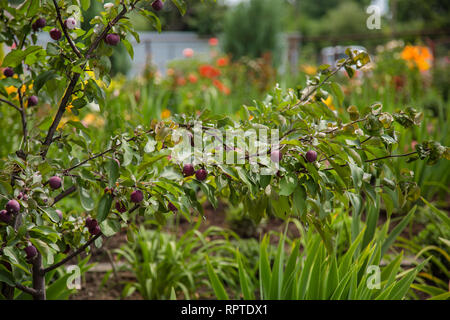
[113, 173]
[181, 5]
[15, 57]
[6, 276]
[216, 284]
[52, 214]
[86, 200]
[153, 18]
[104, 207]
[129, 48]
[439, 213]
[42, 78]
[288, 185]
[110, 227]
[85, 4]
[299, 199]
[397, 230]
[357, 175]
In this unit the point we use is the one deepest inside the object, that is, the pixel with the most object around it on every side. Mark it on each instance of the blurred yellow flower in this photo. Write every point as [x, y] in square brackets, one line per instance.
[308, 69]
[329, 102]
[11, 89]
[165, 114]
[93, 119]
[417, 55]
[66, 119]
[69, 108]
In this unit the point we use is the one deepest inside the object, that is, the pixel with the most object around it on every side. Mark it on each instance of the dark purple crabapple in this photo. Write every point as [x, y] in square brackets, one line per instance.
[112, 39]
[5, 216]
[12, 206]
[30, 251]
[94, 230]
[55, 34]
[8, 72]
[201, 174]
[39, 24]
[91, 223]
[120, 206]
[32, 101]
[188, 170]
[311, 156]
[157, 5]
[55, 182]
[137, 196]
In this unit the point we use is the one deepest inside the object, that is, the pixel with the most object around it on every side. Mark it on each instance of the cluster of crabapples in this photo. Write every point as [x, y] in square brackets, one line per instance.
[12, 208]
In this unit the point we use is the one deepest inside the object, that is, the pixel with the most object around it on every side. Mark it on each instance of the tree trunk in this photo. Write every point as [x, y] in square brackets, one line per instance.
[38, 278]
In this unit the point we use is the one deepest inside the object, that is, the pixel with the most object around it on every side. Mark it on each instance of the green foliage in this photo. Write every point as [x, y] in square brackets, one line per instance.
[162, 263]
[253, 29]
[307, 272]
[354, 166]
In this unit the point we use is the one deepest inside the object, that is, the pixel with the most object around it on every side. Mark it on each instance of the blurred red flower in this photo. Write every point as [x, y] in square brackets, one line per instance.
[181, 81]
[222, 88]
[192, 78]
[222, 62]
[208, 71]
[213, 42]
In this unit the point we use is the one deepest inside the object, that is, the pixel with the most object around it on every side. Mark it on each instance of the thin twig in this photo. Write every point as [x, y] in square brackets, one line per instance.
[66, 33]
[380, 158]
[23, 116]
[74, 254]
[10, 103]
[64, 194]
[26, 289]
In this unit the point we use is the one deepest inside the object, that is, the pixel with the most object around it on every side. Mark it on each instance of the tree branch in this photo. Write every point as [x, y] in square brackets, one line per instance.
[70, 256]
[380, 158]
[10, 103]
[66, 33]
[64, 194]
[25, 289]
[23, 116]
[65, 100]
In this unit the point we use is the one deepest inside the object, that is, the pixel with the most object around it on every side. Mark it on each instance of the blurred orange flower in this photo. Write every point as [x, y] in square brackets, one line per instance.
[208, 71]
[192, 78]
[181, 81]
[222, 62]
[170, 72]
[419, 55]
[165, 114]
[222, 88]
[308, 69]
[213, 42]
